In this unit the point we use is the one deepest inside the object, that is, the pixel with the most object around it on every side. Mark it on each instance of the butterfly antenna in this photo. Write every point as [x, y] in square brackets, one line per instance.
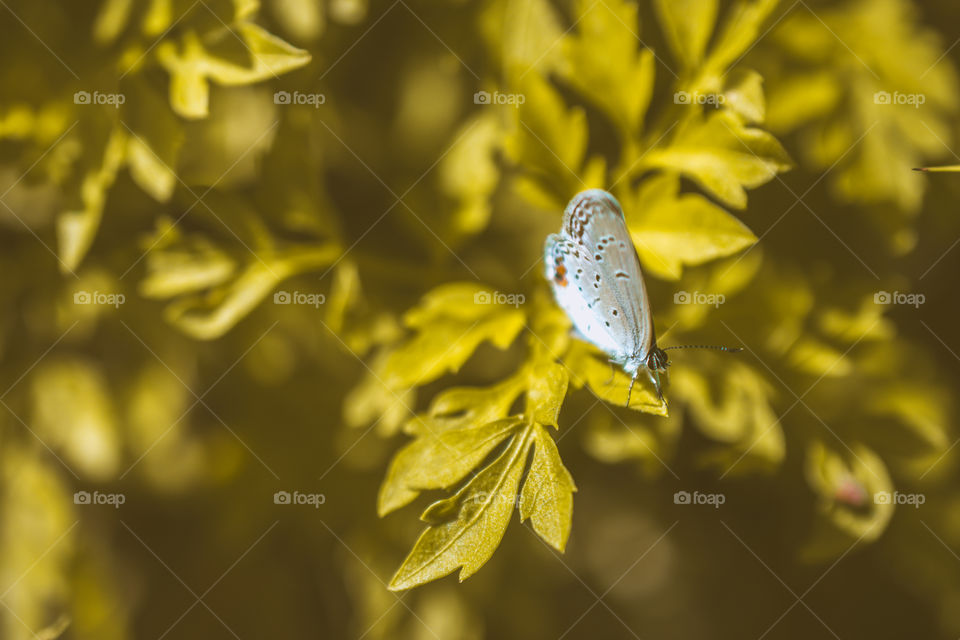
[705, 346]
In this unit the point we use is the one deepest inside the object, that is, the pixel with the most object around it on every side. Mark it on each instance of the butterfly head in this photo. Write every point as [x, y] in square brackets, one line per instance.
[658, 360]
[656, 363]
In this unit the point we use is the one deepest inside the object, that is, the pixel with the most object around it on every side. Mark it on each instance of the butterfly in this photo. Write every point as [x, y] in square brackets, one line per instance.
[595, 274]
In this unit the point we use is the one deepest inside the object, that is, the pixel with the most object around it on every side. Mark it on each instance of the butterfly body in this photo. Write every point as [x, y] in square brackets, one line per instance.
[595, 274]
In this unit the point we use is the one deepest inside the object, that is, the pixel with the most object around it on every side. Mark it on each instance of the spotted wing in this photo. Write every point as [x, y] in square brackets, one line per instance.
[611, 284]
[572, 274]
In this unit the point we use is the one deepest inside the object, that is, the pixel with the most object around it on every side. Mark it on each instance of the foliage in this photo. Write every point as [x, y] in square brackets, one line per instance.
[293, 248]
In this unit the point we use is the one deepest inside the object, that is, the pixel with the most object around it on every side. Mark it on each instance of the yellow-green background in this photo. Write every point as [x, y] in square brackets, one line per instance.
[198, 398]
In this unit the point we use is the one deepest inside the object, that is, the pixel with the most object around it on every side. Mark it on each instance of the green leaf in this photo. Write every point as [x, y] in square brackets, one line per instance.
[524, 35]
[847, 485]
[548, 139]
[440, 459]
[687, 25]
[194, 64]
[647, 441]
[671, 230]
[722, 155]
[918, 408]
[155, 141]
[178, 265]
[74, 412]
[862, 110]
[731, 403]
[482, 511]
[453, 409]
[372, 400]
[111, 20]
[469, 173]
[451, 322]
[76, 228]
[547, 495]
[608, 382]
[817, 358]
[743, 94]
[741, 29]
[209, 316]
[548, 388]
[615, 76]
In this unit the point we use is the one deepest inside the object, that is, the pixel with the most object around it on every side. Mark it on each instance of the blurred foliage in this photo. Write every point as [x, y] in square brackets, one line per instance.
[258, 251]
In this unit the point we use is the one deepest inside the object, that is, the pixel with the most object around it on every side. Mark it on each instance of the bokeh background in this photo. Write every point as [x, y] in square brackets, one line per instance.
[216, 216]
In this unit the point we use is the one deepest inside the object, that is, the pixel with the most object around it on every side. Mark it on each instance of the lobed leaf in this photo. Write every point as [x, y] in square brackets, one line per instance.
[615, 76]
[687, 25]
[722, 155]
[671, 230]
[479, 514]
[547, 494]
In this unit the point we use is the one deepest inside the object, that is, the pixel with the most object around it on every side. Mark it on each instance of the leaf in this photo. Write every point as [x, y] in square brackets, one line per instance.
[451, 322]
[524, 35]
[741, 29]
[732, 406]
[111, 20]
[454, 409]
[917, 408]
[155, 141]
[483, 508]
[615, 76]
[671, 230]
[687, 25]
[548, 140]
[547, 495]
[722, 155]
[548, 388]
[76, 228]
[209, 316]
[817, 358]
[439, 459]
[847, 486]
[857, 102]
[798, 99]
[647, 441]
[608, 382]
[193, 65]
[177, 265]
[469, 173]
[743, 94]
[74, 412]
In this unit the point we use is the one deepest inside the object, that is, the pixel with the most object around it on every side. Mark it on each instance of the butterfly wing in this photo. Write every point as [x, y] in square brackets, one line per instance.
[605, 295]
[570, 273]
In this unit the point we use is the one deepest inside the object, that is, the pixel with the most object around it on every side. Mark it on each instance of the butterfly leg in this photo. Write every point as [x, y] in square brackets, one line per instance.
[630, 388]
[655, 378]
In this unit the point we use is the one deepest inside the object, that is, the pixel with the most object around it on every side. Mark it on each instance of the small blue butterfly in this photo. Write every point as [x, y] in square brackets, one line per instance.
[594, 270]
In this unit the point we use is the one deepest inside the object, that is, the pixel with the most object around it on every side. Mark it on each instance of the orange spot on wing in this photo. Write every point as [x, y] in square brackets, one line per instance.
[560, 275]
